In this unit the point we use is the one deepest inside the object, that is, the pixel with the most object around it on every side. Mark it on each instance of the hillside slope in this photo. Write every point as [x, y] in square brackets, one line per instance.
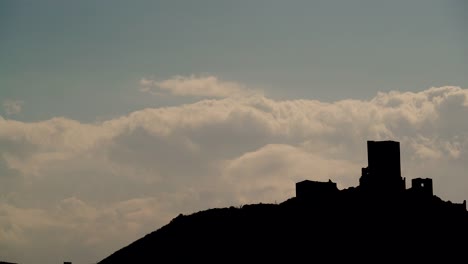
[345, 226]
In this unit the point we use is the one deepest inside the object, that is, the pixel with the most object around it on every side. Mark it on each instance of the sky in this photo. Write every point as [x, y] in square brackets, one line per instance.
[116, 116]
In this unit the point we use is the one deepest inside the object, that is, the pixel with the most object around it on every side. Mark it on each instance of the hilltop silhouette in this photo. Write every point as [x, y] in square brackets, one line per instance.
[380, 221]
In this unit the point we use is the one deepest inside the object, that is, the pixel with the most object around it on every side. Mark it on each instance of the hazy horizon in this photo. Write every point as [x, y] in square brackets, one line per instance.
[117, 116]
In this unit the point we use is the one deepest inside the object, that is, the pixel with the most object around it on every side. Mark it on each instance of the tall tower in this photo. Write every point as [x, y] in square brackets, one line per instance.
[383, 173]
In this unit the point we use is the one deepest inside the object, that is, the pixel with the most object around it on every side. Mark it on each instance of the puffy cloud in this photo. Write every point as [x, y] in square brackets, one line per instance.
[12, 107]
[97, 230]
[199, 86]
[89, 189]
[281, 166]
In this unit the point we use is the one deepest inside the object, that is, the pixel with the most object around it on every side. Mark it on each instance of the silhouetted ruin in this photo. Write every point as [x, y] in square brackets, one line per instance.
[377, 221]
[422, 187]
[383, 174]
[381, 178]
[311, 189]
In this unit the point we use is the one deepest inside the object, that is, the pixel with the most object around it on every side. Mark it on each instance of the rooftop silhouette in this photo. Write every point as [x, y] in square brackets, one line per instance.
[378, 220]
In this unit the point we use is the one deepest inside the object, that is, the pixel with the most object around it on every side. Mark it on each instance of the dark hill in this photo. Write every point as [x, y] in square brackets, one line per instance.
[378, 221]
[344, 228]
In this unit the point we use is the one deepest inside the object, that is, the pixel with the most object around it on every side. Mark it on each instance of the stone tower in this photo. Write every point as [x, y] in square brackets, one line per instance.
[383, 173]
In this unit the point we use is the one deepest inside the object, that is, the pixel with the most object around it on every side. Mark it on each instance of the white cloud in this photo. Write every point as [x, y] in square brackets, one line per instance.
[199, 86]
[280, 167]
[12, 107]
[97, 230]
[75, 184]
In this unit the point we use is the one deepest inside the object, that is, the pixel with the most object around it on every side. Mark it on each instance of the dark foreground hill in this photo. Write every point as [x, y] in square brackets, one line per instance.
[347, 227]
[378, 221]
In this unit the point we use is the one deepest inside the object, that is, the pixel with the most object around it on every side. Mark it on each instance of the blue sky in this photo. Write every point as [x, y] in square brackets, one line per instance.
[83, 59]
[117, 116]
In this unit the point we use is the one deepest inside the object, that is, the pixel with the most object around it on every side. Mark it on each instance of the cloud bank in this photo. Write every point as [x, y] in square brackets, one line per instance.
[89, 189]
[199, 86]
